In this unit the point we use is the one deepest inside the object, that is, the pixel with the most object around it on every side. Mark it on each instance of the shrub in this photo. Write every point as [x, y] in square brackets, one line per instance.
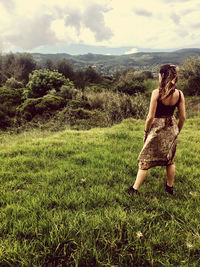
[147, 74]
[140, 106]
[131, 82]
[13, 83]
[131, 87]
[189, 76]
[68, 91]
[80, 118]
[5, 120]
[42, 81]
[92, 76]
[117, 106]
[10, 99]
[47, 104]
[78, 104]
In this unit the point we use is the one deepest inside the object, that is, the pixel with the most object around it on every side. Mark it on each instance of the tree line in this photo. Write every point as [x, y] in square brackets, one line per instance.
[19, 66]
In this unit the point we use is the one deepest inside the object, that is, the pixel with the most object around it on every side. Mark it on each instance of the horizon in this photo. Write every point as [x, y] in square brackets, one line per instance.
[103, 54]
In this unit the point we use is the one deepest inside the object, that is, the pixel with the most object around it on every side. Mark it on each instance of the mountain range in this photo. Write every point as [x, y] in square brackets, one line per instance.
[109, 64]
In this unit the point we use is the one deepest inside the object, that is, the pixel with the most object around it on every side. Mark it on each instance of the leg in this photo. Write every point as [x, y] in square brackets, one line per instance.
[170, 174]
[141, 175]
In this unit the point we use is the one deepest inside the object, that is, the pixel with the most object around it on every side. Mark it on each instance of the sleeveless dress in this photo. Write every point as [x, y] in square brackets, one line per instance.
[160, 146]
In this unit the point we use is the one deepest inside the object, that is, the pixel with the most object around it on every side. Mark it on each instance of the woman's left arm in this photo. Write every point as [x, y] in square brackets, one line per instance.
[152, 111]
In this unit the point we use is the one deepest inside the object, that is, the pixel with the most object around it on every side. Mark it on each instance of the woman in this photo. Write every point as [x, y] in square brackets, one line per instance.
[161, 130]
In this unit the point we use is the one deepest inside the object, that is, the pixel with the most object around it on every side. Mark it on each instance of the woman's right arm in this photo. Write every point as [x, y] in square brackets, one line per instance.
[181, 112]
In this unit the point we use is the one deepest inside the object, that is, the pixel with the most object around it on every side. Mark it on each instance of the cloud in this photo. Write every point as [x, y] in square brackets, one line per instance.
[93, 19]
[142, 12]
[175, 1]
[175, 18]
[132, 51]
[74, 19]
[182, 32]
[8, 4]
[195, 26]
[36, 32]
[187, 11]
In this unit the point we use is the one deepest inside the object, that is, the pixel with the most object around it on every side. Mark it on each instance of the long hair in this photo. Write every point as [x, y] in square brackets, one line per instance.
[169, 78]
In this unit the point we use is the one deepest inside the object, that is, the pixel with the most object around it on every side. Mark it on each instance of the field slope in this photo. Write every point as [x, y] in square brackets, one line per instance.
[62, 200]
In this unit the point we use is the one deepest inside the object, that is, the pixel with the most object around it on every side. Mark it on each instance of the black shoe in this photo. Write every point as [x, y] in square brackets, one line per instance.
[132, 191]
[169, 189]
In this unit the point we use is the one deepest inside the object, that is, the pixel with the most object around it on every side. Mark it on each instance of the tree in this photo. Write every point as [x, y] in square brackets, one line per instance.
[65, 67]
[8, 65]
[79, 79]
[49, 64]
[189, 76]
[24, 65]
[131, 82]
[92, 76]
[42, 81]
[147, 74]
[17, 66]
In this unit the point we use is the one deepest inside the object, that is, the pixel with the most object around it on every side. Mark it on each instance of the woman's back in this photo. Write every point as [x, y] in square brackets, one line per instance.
[172, 99]
[166, 107]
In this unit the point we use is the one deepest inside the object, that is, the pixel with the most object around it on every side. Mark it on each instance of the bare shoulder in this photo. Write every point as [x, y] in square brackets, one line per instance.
[182, 95]
[155, 94]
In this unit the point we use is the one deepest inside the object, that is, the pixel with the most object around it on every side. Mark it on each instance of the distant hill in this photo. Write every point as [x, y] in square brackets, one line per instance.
[109, 64]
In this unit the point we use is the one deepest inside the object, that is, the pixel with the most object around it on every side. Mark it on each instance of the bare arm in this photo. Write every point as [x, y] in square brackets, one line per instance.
[181, 112]
[152, 111]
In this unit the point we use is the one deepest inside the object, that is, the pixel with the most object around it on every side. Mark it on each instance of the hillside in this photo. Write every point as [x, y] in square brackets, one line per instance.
[109, 64]
[63, 200]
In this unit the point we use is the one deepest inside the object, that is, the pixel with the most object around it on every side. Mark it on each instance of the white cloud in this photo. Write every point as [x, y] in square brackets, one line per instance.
[36, 32]
[132, 51]
[93, 19]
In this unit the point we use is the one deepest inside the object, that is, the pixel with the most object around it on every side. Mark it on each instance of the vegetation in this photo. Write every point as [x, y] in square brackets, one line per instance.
[63, 200]
[190, 76]
[56, 94]
[42, 82]
[18, 66]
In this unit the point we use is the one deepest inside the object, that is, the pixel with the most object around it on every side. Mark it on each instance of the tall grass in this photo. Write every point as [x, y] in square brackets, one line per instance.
[63, 200]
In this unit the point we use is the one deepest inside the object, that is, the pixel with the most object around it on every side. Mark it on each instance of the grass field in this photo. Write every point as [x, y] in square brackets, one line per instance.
[62, 200]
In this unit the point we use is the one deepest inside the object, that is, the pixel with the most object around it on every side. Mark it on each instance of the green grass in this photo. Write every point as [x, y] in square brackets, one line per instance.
[62, 200]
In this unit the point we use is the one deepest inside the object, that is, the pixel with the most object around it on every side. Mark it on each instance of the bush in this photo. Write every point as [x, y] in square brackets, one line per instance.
[47, 104]
[147, 75]
[42, 81]
[80, 118]
[189, 76]
[131, 88]
[13, 83]
[131, 82]
[5, 120]
[118, 106]
[68, 91]
[78, 104]
[10, 99]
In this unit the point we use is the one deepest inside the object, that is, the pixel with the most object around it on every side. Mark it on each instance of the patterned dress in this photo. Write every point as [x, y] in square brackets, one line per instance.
[160, 146]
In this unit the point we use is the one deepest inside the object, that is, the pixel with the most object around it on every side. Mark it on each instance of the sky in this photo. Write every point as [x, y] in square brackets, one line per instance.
[98, 26]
